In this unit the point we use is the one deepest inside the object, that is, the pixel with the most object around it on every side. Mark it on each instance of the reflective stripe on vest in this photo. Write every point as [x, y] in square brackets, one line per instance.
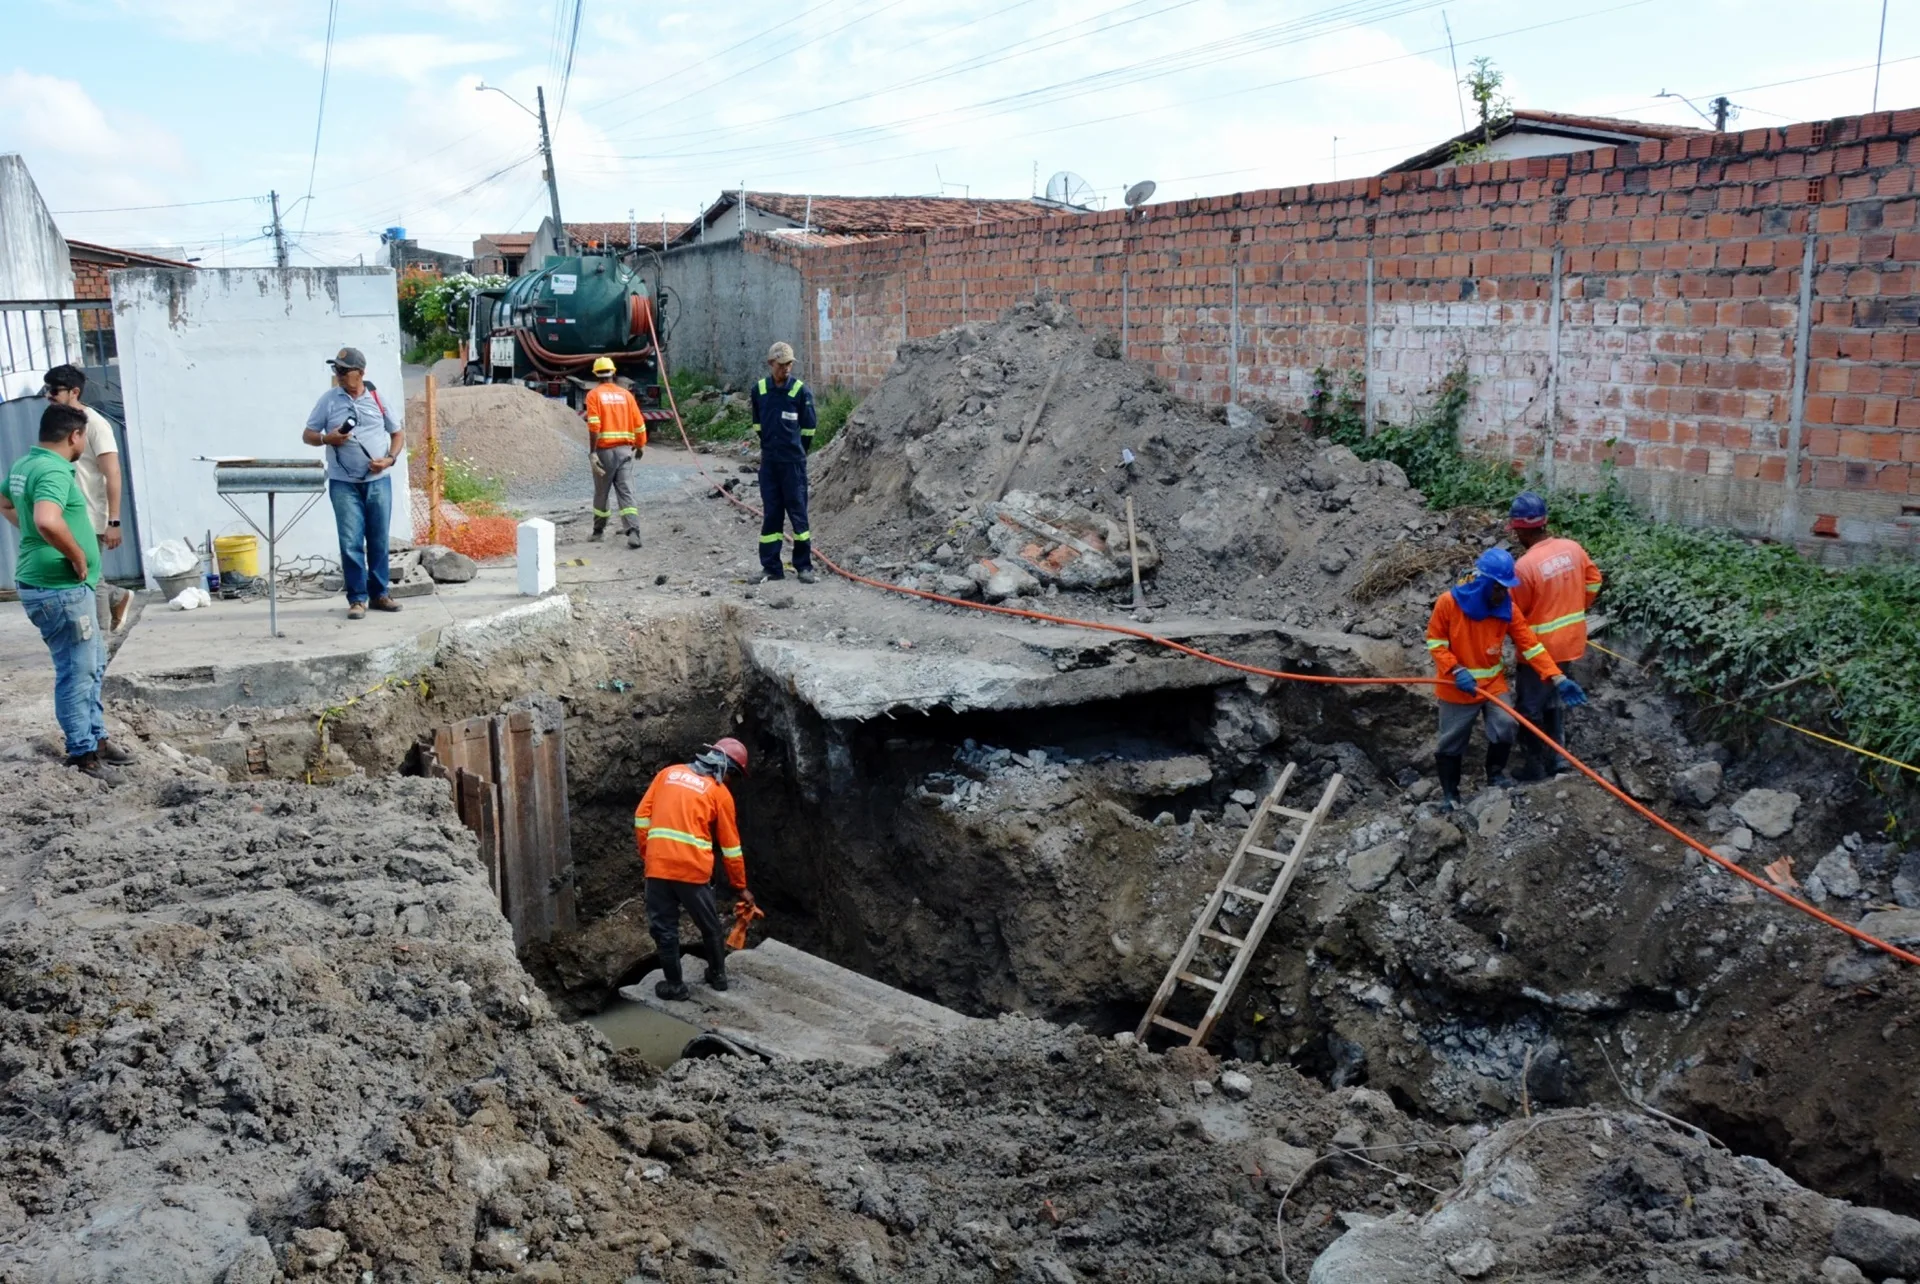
[1538, 648]
[1484, 673]
[1554, 626]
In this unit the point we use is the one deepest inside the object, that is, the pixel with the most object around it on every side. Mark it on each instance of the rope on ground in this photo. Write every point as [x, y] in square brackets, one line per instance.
[1646, 813]
[1782, 722]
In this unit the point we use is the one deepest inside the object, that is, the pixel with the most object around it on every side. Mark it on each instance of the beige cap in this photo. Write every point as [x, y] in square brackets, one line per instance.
[780, 352]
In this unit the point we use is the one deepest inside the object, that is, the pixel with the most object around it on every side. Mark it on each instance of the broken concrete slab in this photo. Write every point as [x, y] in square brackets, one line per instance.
[785, 1004]
[1064, 543]
[988, 664]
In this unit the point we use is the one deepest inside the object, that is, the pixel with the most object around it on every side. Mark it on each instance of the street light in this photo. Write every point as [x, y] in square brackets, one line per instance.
[560, 243]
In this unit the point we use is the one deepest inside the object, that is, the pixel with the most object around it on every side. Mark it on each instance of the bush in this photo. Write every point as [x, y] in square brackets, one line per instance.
[1751, 628]
[707, 422]
[831, 412]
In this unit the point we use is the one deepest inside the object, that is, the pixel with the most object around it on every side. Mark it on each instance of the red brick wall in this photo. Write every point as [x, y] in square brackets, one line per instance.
[90, 280]
[1671, 356]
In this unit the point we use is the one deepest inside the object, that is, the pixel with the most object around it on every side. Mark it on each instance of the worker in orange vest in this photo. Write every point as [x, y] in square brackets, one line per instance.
[617, 433]
[1465, 633]
[686, 813]
[1558, 582]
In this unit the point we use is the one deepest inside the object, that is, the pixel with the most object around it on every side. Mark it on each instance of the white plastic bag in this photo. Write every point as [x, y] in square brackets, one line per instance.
[172, 557]
[191, 599]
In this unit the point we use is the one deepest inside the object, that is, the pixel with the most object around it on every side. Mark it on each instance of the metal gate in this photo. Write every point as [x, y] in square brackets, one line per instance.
[20, 432]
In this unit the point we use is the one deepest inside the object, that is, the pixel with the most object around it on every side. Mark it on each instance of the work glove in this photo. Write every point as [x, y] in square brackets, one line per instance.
[1464, 680]
[1570, 693]
[593, 462]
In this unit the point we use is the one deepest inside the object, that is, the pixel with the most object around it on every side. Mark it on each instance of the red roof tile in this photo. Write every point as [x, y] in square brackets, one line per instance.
[127, 258]
[893, 213]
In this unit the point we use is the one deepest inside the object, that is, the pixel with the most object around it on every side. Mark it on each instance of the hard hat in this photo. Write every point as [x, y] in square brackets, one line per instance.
[734, 750]
[1529, 512]
[1496, 564]
[781, 352]
[603, 366]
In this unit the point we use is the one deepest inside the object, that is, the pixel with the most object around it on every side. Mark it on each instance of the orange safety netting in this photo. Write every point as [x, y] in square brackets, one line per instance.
[478, 537]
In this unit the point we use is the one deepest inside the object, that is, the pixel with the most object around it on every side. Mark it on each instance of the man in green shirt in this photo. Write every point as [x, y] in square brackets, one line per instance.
[56, 573]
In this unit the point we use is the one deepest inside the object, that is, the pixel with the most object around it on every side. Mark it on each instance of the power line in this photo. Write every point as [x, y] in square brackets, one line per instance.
[755, 38]
[320, 116]
[566, 72]
[176, 205]
[1309, 27]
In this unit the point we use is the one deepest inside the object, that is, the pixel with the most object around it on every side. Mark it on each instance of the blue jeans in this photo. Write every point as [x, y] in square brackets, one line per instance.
[65, 618]
[362, 512]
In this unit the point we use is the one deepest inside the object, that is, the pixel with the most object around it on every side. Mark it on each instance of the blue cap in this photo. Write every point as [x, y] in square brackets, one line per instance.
[1496, 564]
[1529, 511]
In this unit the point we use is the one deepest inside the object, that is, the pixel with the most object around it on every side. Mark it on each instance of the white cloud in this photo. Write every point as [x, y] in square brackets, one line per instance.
[81, 155]
[404, 55]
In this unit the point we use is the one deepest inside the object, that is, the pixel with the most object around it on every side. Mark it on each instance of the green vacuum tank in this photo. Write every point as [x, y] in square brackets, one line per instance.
[573, 310]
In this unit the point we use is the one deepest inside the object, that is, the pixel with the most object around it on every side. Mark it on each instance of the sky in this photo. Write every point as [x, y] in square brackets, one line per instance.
[166, 122]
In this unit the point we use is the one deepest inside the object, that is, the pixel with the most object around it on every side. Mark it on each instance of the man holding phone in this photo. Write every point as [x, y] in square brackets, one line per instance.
[363, 442]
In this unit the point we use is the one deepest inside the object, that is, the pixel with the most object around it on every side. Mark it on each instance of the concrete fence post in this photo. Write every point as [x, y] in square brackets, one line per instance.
[1802, 339]
[1233, 334]
[1124, 352]
[1366, 389]
[1550, 465]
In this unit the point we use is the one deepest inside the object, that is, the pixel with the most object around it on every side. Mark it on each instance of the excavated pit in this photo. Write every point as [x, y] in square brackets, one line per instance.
[1542, 948]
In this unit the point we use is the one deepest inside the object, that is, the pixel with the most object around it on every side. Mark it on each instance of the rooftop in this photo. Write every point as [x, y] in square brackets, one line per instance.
[1599, 131]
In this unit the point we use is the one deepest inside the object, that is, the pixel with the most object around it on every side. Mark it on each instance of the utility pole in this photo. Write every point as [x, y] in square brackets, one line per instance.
[560, 242]
[279, 233]
[1720, 107]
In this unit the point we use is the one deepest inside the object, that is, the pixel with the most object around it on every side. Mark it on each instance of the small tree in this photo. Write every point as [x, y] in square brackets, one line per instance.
[1483, 83]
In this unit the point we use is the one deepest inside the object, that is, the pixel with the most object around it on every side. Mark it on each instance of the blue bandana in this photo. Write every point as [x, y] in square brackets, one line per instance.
[1473, 594]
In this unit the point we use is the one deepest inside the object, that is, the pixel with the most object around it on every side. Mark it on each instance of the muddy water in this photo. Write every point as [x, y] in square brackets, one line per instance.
[654, 1035]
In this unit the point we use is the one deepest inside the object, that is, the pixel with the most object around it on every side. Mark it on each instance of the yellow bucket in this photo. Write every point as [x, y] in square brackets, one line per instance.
[238, 553]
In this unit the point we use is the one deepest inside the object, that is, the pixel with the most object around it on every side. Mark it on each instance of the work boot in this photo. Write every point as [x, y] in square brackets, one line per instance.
[672, 991]
[112, 753]
[356, 610]
[672, 985]
[806, 577]
[89, 764]
[385, 603]
[717, 979]
[1497, 777]
[599, 529]
[767, 577]
[1447, 767]
[633, 538]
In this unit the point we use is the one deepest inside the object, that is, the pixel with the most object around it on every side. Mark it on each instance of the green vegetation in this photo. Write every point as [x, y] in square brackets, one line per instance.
[477, 493]
[433, 310]
[708, 419]
[1751, 628]
[1483, 85]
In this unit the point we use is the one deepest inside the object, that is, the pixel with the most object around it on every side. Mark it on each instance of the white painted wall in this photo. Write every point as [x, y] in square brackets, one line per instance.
[229, 361]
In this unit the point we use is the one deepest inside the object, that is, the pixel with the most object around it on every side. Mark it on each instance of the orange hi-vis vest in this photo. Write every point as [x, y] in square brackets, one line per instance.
[614, 418]
[1458, 642]
[1557, 584]
[679, 821]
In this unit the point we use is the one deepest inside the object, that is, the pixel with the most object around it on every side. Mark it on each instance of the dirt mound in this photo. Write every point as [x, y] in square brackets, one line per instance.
[1246, 514]
[533, 444]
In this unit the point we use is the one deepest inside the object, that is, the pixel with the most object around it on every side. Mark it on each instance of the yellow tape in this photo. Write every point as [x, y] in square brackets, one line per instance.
[1791, 726]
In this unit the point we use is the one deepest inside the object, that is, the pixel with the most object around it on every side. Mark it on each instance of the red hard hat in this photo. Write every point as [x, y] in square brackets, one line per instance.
[734, 750]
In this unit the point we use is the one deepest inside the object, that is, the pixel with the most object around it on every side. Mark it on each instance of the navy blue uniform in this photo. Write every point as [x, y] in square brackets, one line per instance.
[783, 418]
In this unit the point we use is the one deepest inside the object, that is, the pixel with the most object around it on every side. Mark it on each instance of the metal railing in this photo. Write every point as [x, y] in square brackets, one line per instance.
[38, 334]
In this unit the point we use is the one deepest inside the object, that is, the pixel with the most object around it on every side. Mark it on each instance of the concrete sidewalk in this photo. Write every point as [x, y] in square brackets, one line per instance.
[221, 655]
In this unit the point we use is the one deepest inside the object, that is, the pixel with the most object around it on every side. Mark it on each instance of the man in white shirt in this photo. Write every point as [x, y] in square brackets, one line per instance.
[98, 472]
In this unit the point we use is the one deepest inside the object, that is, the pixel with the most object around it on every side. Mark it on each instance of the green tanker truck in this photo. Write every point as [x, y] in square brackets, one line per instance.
[546, 329]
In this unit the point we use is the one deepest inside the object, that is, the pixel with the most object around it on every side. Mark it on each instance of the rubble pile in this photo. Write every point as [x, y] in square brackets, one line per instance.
[945, 479]
[533, 444]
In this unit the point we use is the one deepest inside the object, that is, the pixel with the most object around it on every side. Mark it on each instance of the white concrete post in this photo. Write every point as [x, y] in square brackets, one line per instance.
[533, 557]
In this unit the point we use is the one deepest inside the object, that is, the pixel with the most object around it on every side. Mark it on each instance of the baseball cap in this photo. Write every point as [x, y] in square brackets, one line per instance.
[780, 352]
[348, 359]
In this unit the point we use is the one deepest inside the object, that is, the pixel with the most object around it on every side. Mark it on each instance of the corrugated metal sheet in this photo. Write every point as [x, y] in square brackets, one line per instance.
[20, 432]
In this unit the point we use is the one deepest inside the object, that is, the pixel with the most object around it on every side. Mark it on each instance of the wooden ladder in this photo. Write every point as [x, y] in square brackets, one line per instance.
[1236, 887]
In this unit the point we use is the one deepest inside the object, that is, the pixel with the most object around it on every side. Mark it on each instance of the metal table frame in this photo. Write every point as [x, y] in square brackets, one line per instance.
[271, 534]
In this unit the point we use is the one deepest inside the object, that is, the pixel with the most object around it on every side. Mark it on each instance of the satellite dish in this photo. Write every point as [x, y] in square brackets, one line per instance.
[1068, 188]
[1137, 194]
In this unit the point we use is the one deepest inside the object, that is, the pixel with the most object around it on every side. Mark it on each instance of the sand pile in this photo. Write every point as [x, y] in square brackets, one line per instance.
[1243, 513]
[537, 446]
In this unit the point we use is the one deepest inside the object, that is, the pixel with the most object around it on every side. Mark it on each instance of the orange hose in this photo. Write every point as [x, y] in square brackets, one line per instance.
[1731, 867]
